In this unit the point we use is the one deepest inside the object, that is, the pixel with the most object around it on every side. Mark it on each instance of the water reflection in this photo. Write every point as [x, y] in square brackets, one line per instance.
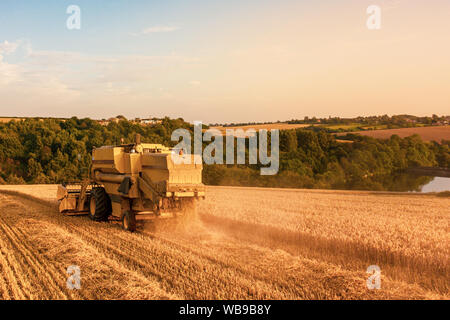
[405, 182]
[438, 184]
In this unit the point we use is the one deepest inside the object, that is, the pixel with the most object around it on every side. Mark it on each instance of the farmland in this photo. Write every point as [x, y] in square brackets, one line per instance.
[5, 120]
[241, 243]
[427, 133]
[270, 126]
[434, 133]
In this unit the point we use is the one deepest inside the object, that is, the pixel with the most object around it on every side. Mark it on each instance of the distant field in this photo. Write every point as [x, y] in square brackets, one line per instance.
[350, 126]
[8, 119]
[5, 120]
[269, 126]
[427, 133]
[344, 141]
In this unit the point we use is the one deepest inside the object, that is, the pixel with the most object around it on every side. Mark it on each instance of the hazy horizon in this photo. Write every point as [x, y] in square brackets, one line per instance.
[222, 62]
[209, 122]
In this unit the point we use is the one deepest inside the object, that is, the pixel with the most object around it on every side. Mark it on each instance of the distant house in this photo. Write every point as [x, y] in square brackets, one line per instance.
[143, 122]
[149, 122]
[104, 122]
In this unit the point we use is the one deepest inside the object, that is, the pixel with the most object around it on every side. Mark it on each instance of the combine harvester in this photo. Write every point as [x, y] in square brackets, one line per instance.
[134, 182]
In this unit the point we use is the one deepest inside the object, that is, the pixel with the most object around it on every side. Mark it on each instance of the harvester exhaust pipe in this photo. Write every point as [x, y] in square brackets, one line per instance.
[138, 138]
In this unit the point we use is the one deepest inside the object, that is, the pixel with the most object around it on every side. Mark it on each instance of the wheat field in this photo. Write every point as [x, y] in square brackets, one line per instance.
[268, 126]
[435, 133]
[241, 243]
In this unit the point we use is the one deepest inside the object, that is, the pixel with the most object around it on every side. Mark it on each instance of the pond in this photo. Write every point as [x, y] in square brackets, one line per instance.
[438, 184]
[406, 182]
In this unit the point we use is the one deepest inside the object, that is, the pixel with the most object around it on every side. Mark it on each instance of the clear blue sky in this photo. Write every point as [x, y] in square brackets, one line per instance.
[220, 61]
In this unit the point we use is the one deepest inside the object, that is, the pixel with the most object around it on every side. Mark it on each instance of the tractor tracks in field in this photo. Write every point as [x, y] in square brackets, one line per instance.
[12, 283]
[37, 266]
[181, 266]
[28, 273]
[179, 269]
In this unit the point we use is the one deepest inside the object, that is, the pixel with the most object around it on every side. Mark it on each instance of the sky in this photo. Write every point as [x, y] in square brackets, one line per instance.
[224, 61]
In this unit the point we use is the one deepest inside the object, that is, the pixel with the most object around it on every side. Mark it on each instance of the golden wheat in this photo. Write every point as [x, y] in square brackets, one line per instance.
[244, 243]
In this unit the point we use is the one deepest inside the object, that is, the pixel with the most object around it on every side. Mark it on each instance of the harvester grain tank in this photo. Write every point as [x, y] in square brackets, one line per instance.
[132, 182]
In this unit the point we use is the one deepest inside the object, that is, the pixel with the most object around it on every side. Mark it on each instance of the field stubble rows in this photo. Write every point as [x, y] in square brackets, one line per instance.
[242, 243]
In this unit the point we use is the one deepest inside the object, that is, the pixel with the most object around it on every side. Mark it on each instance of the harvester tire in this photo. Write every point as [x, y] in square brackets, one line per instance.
[129, 221]
[100, 205]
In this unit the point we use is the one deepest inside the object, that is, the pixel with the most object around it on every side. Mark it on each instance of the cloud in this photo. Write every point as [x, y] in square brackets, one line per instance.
[62, 81]
[156, 29]
[9, 73]
[8, 47]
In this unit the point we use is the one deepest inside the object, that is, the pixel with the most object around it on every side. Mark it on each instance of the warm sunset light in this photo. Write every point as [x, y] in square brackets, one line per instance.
[239, 158]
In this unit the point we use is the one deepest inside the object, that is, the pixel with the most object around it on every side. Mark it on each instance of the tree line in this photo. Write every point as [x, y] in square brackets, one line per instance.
[40, 151]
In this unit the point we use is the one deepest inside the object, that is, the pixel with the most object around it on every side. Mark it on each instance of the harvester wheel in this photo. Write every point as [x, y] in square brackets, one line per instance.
[100, 204]
[129, 221]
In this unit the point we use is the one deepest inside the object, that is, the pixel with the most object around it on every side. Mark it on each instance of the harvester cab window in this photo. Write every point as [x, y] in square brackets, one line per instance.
[132, 148]
[152, 150]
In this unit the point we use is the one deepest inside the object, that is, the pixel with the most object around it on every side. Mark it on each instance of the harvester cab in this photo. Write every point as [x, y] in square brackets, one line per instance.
[132, 182]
